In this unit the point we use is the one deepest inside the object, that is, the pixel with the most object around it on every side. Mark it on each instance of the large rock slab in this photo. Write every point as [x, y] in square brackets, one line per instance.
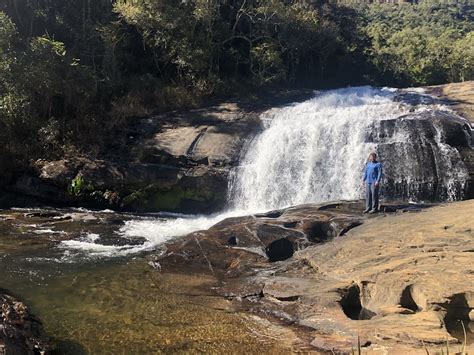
[399, 281]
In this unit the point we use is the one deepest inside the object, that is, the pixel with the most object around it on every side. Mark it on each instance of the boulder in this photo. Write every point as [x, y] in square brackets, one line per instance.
[20, 331]
[239, 244]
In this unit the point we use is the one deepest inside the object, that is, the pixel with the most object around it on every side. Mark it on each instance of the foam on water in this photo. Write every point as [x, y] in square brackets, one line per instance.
[46, 231]
[155, 232]
[87, 244]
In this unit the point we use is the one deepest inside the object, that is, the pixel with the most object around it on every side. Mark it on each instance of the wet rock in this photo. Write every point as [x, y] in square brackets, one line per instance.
[20, 331]
[240, 245]
[414, 135]
[119, 240]
[44, 214]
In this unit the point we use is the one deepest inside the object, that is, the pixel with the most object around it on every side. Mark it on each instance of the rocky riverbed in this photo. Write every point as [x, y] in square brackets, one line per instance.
[314, 277]
[397, 281]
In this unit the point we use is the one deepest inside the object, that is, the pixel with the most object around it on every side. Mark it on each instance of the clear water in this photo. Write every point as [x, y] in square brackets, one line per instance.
[118, 304]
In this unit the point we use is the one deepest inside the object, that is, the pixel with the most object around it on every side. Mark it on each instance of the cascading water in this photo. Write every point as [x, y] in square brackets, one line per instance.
[315, 151]
[312, 151]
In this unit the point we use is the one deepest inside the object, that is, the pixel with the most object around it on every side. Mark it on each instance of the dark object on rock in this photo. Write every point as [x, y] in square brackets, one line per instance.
[121, 241]
[45, 214]
[20, 331]
[233, 241]
[279, 250]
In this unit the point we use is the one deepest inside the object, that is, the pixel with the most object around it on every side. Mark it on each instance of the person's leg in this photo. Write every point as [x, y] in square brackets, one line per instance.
[373, 207]
[375, 199]
[368, 197]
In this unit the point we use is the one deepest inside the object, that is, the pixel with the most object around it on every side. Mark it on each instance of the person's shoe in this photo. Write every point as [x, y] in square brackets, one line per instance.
[366, 211]
[373, 211]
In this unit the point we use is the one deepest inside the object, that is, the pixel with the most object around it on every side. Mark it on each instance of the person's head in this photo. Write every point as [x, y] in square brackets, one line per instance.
[372, 157]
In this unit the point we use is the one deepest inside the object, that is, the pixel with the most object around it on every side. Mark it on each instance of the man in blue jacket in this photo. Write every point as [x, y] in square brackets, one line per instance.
[371, 179]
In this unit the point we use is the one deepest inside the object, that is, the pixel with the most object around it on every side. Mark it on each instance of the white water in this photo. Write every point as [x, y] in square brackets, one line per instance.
[156, 231]
[309, 152]
[455, 173]
[312, 151]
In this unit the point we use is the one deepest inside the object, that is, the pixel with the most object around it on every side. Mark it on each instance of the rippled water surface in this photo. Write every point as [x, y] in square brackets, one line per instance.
[116, 304]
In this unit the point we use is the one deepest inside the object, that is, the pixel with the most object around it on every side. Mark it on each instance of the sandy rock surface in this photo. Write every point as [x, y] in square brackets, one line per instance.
[398, 281]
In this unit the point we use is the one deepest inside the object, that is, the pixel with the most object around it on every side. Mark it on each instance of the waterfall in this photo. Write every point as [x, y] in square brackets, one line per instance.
[315, 151]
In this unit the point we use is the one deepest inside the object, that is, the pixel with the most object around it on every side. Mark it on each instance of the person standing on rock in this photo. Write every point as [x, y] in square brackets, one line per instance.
[371, 180]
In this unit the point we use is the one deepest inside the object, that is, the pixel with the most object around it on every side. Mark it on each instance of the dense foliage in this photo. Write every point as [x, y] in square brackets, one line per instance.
[421, 44]
[74, 73]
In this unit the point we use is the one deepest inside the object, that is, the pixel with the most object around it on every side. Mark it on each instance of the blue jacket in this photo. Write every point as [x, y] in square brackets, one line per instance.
[372, 172]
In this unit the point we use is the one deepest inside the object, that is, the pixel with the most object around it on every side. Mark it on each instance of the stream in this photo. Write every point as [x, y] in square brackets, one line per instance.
[87, 277]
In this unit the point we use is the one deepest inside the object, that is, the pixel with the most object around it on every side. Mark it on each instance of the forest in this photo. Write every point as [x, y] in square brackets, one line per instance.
[75, 73]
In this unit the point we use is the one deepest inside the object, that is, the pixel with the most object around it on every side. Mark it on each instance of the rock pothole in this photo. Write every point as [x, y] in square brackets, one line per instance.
[319, 232]
[323, 231]
[279, 250]
[351, 304]
[407, 301]
[291, 224]
[457, 319]
[457, 308]
[270, 214]
[233, 241]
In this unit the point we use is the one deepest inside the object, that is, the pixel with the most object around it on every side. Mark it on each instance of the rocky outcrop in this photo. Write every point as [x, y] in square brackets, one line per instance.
[249, 241]
[395, 281]
[428, 156]
[20, 331]
[178, 161]
[176, 168]
[460, 98]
